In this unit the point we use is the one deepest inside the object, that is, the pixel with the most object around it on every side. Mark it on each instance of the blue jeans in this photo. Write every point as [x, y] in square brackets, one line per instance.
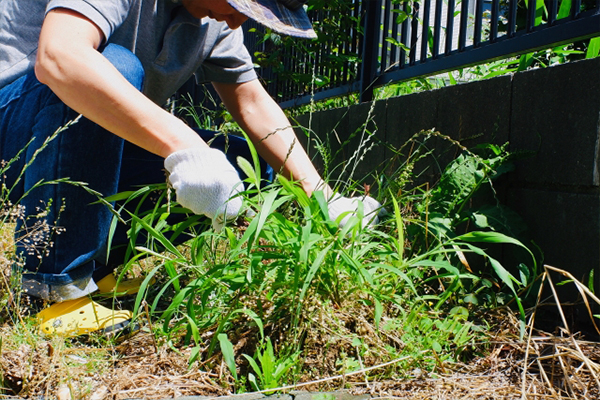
[62, 265]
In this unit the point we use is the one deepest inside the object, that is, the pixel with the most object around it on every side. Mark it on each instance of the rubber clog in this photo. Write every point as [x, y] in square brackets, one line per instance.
[108, 286]
[80, 317]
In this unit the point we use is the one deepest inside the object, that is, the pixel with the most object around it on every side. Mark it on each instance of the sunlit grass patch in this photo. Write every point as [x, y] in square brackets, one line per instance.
[285, 296]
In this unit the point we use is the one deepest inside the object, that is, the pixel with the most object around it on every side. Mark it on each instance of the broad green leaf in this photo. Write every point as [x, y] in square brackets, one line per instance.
[378, 312]
[322, 203]
[494, 237]
[254, 366]
[228, 353]
[299, 194]
[250, 313]
[471, 298]
[311, 274]
[593, 49]
[565, 9]
[252, 378]
[540, 10]
[194, 328]
[266, 210]
[451, 78]
[399, 227]
[246, 167]
[194, 354]
[255, 158]
[142, 291]
[525, 61]
[498, 217]
[122, 195]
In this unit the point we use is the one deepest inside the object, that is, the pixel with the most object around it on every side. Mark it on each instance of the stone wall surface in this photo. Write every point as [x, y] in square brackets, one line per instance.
[551, 115]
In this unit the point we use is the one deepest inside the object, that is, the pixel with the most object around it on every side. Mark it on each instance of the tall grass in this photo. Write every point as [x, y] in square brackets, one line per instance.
[287, 285]
[285, 294]
[34, 238]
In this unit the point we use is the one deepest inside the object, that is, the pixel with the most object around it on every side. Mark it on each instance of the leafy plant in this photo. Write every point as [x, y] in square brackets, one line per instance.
[269, 368]
[298, 68]
[289, 265]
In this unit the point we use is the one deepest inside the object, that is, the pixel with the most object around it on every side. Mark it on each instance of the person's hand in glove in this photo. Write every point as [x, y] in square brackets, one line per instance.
[204, 181]
[372, 209]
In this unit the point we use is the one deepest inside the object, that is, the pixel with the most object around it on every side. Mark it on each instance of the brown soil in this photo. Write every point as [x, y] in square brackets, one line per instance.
[556, 368]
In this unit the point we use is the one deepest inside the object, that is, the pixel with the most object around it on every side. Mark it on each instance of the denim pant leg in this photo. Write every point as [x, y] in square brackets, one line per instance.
[58, 263]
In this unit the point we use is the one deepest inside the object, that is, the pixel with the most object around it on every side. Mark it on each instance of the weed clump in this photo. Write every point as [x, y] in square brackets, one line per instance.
[287, 299]
[288, 296]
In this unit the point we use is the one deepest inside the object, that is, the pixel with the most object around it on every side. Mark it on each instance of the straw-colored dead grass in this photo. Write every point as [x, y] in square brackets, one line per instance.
[558, 365]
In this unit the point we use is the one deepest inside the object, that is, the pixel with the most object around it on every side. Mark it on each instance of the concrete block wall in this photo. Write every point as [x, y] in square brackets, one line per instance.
[553, 113]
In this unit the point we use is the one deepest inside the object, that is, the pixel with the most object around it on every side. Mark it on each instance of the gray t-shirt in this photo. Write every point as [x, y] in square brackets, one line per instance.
[171, 44]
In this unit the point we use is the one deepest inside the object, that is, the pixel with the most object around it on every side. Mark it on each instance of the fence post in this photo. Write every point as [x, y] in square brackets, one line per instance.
[370, 48]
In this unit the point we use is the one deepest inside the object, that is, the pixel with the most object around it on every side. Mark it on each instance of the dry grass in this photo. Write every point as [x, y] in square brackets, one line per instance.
[558, 365]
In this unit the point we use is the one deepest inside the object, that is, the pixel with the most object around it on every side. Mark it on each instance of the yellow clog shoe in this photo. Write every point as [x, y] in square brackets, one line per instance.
[80, 317]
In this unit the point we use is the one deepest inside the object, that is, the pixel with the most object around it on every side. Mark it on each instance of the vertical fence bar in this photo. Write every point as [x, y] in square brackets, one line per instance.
[425, 30]
[333, 68]
[355, 40]
[495, 17]
[404, 36]
[437, 29]
[306, 65]
[531, 15]
[390, 8]
[360, 40]
[294, 87]
[370, 50]
[353, 44]
[552, 12]
[478, 23]
[512, 18]
[319, 61]
[288, 85]
[325, 65]
[301, 59]
[414, 37]
[343, 48]
[450, 26]
[316, 69]
[386, 47]
[422, 33]
[575, 8]
[464, 19]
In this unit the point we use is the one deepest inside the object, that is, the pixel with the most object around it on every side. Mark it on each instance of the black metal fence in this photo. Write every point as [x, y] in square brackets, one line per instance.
[399, 40]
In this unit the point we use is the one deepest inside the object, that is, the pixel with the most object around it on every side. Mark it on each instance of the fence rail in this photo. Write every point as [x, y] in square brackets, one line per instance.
[405, 40]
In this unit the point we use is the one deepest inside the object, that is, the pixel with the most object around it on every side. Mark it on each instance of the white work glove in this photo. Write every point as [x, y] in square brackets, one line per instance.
[372, 209]
[204, 181]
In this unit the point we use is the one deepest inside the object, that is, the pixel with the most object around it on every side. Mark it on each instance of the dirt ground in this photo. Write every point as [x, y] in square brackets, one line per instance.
[561, 364]
[556, 368]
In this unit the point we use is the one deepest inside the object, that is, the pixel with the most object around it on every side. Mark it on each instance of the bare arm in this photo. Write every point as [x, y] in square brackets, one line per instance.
[69, 63]
[270, 131]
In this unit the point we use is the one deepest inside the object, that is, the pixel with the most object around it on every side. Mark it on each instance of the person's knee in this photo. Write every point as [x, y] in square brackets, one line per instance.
[126, 63]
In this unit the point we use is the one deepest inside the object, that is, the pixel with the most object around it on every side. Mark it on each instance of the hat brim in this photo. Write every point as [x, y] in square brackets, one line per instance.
[276, 16]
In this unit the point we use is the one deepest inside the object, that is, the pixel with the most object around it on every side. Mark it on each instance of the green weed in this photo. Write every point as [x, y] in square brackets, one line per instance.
[261, 291]
[285, 292]
[269, 367]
